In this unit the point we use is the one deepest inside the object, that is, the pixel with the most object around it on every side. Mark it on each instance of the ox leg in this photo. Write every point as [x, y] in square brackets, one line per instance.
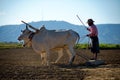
[60, 54]
[47, 58]
[43, 60]
[71, 54]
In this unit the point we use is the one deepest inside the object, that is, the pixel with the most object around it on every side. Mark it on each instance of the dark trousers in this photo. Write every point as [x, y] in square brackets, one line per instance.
[95, 44]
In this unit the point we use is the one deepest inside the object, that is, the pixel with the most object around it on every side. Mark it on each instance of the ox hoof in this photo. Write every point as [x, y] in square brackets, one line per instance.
[53, 62]
[70, 64]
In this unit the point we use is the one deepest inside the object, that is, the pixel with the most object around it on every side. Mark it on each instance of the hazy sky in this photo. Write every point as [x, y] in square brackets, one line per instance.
[101, 11]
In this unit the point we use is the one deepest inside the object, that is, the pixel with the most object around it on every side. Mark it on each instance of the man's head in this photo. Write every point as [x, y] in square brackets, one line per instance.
[90, 22]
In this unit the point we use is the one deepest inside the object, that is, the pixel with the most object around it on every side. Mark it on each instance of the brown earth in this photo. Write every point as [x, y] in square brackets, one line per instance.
[24, 63]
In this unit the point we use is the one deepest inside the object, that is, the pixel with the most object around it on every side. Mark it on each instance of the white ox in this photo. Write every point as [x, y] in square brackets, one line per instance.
[43, 41]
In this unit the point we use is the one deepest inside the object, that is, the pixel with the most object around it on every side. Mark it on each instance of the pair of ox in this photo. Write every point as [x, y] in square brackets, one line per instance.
[43, 41]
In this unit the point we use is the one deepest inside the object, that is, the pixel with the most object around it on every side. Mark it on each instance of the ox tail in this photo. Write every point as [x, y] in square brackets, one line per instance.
[78, 37]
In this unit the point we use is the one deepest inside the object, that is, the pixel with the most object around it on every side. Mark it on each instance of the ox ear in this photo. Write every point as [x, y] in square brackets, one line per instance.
[21, 30]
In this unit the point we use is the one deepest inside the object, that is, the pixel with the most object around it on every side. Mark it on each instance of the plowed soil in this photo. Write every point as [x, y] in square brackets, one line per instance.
[25, 64]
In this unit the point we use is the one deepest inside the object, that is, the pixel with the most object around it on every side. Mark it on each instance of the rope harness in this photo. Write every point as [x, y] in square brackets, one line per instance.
[30, 38]
[84, 52]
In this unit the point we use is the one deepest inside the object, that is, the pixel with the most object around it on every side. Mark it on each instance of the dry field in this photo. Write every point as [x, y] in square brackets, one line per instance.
[25, 64]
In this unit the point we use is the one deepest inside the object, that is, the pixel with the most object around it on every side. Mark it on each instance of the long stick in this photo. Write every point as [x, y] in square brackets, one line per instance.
[81, 21]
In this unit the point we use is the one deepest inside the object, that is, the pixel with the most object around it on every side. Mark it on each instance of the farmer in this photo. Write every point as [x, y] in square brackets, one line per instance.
[94, 38]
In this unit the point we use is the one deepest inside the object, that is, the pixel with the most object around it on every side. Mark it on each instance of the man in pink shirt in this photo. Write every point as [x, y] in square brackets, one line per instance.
[94, 38]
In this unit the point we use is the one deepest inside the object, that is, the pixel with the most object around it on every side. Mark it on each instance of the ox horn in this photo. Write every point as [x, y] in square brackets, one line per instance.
[30, 26]
[33, 28]
[26, 27]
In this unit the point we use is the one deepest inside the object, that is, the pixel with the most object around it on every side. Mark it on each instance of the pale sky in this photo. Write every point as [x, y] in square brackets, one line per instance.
[101, 11]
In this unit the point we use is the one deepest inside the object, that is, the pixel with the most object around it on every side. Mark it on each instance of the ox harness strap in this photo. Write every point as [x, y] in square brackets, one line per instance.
[31, 36]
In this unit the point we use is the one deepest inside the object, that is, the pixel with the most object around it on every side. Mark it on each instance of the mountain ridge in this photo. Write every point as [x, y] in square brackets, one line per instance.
[108, 33]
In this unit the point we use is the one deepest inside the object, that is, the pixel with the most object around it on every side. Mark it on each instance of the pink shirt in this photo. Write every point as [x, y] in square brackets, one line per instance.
[93, 31]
